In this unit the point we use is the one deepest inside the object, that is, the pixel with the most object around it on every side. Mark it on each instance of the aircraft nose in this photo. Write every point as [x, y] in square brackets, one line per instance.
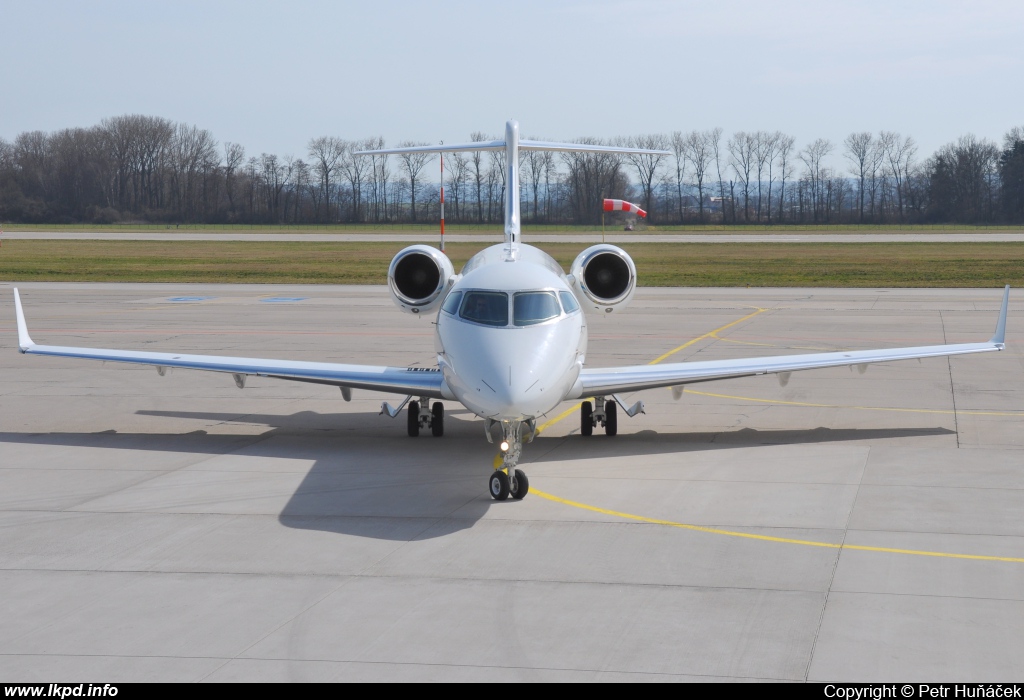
[524, 385]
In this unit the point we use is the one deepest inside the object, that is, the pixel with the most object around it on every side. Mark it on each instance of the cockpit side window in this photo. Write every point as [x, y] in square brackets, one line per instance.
[569, 302]
[451, 304]
[490, 308]
[529, 308]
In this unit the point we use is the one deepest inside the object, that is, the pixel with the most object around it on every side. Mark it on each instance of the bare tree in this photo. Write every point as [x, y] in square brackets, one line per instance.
[458, 171]
[812, 156]
[355, 170]
[495, 184]
[647, 164]
[412, 164]
[301, 179]
[679, 151]
[379, 176]
[191, 154]
[591, 177]
[535, 172]
[234, 156]
[697, 150]
[764, 154]
[962, 180]
[550, 173]
[785, 150]
[858, 152]
[326, 151]
[476, 160]
[741, 157]
[715, 142]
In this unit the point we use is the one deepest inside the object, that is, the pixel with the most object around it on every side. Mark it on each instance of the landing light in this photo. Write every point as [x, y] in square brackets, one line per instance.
[504, 446]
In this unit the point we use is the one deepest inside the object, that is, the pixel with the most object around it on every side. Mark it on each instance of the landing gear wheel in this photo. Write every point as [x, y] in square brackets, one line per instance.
[414, 418]
[437, 419]
[498, 485]
[611, 420]
[520, 485]
[586, 418]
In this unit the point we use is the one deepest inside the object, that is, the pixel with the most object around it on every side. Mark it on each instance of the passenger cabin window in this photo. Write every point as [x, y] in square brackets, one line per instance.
[529, 308]
[489, 308]
[568, 302]
[451, 304]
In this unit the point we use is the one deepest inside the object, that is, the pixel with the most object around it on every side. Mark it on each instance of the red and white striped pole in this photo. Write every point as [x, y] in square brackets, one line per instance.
[442, 199]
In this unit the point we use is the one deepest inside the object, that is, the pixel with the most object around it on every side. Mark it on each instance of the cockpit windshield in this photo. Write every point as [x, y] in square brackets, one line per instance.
[489, 308]
[529, 308]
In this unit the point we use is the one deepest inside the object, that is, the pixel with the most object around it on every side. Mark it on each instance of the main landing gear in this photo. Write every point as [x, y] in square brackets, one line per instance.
[605, 415]
[421, 414]
[507, 480]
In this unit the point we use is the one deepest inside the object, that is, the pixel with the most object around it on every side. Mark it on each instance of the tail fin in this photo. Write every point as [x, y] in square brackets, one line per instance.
[511, 144]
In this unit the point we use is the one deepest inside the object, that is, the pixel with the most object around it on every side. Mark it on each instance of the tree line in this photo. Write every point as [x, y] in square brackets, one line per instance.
[150, 169]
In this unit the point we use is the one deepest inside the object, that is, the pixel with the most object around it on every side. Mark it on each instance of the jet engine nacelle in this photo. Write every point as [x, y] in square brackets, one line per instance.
[417, 277]
[604, 278]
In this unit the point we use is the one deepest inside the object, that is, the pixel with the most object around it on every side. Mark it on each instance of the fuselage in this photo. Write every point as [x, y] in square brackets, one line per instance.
[511, 337]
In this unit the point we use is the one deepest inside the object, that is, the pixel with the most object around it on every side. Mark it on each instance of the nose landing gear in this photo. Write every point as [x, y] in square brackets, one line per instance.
[507, 480]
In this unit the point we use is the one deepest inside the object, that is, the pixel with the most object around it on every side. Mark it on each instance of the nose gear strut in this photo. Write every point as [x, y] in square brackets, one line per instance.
[507, 480]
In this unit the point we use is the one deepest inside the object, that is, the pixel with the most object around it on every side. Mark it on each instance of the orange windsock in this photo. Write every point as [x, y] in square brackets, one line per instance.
[623, 205]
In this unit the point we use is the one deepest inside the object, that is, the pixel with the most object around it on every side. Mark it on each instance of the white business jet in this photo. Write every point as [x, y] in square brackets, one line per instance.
[511, 336]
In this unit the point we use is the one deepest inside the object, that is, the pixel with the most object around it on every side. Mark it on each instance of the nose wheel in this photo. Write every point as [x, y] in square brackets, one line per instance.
[501, 486]
[506, 480]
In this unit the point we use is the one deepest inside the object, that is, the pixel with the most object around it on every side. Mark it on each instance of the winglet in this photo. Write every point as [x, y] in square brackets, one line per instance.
[24, 341]
[998, 338]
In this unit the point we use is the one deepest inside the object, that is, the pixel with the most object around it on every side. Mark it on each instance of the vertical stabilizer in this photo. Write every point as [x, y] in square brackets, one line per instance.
[512, 221]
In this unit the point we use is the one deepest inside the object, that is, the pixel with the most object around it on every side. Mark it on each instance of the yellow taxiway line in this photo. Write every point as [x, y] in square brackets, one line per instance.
[767, 538]
[748, 535]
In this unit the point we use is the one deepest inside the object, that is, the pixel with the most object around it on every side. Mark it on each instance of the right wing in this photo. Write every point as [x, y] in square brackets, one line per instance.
[418, 381]
[612, 380]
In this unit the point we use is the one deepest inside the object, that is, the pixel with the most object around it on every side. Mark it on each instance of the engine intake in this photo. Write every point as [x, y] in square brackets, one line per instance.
[604, 277]
[417, 278]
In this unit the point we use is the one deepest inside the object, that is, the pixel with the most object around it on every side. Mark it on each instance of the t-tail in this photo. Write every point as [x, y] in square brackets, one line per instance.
[512, 144]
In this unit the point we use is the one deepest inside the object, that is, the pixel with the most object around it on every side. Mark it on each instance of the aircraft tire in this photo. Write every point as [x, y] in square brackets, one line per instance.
[497, 484]
[437, 419]
[522, 485]
[414, 418]
[611, 419]
[586, 418]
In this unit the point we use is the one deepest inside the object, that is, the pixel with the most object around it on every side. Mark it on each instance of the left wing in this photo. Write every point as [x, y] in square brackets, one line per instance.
[605, 381]
[418, 381]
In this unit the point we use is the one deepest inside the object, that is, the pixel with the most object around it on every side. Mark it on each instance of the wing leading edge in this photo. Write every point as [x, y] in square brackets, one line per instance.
[397, 380]
[605, 381]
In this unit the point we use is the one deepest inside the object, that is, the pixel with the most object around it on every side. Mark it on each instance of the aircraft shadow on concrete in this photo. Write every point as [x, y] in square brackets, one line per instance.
[371, 480]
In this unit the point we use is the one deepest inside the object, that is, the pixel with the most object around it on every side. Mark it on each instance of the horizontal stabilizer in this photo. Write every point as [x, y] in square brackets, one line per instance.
[524, 145]
[440, 148]
[586, 148]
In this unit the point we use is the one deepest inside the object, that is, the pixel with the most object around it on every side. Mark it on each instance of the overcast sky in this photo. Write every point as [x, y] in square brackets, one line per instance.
[272, 75]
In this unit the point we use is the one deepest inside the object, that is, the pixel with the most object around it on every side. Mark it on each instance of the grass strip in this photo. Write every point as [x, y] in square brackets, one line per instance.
[497, 228]
[658, 264]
